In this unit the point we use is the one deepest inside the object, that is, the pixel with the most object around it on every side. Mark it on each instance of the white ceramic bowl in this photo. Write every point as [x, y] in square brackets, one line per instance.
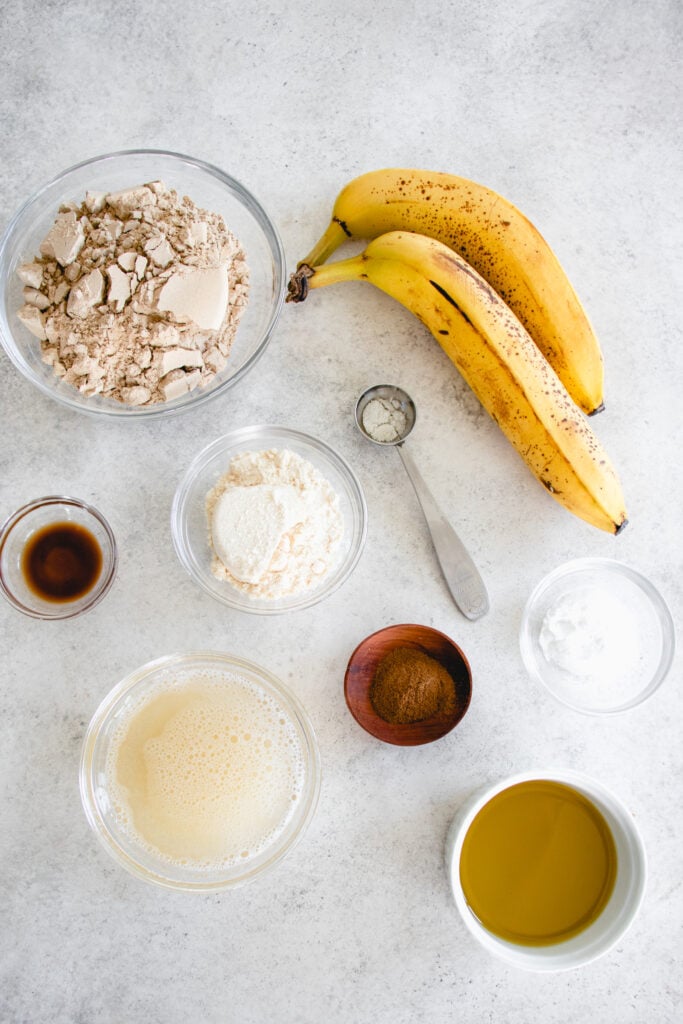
[210, 188]
[623, 904]
[174, 670]
[190, 529]
[644, 650]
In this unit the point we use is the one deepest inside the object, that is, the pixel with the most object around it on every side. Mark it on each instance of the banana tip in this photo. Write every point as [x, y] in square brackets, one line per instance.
[620, 527]
[297, 289]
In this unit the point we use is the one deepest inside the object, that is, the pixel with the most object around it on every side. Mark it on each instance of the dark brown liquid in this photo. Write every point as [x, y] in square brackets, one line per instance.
[61, 562]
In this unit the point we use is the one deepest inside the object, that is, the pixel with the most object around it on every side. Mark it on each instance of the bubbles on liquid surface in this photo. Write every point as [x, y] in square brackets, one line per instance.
[205, 770]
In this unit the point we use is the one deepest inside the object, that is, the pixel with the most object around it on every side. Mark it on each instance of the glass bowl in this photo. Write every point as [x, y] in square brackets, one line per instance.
[168, 675]
[190, 528]
[617, 915]
[210, 188]
[23, 525]
[598, 635]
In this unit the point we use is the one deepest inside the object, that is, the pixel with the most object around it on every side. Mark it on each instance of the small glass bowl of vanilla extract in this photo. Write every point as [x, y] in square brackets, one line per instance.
[58, 558]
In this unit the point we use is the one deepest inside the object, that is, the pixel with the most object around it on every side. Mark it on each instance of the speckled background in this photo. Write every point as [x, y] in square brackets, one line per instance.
[571, 108]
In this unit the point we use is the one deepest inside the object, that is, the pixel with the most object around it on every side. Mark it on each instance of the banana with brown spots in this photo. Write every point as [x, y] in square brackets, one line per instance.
[498, 359]
[497, 240]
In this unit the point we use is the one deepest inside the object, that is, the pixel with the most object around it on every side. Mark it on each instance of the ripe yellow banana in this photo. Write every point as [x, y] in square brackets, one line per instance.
[497, 358]
[497, 240]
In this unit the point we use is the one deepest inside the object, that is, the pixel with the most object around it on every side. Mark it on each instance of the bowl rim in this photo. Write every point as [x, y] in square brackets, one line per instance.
[400, 735]
[108, 705]
[548, 959]
[237, 437]
[61, 611]
[610, 565]
[196, 397]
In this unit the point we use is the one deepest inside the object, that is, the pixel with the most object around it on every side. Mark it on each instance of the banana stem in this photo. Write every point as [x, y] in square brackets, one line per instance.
[305, 276]
[335, 234]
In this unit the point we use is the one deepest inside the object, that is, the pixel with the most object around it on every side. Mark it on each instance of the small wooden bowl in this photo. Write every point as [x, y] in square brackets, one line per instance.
[361, 669]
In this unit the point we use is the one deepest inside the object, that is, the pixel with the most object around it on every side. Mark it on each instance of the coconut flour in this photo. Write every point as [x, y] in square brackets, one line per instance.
[275, 524]
[136, 295]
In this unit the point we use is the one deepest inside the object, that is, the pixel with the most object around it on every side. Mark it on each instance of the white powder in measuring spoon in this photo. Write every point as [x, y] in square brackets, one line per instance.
[384, 420]
[596, 637]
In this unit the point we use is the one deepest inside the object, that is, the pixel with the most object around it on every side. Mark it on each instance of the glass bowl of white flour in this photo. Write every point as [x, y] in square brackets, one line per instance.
[138, 284]
[598, 635]
[268, 520]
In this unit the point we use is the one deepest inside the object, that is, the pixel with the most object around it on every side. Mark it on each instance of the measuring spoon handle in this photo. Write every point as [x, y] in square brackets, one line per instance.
[460, 573]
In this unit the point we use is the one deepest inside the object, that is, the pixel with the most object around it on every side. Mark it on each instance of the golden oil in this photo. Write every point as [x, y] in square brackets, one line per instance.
[538, 863]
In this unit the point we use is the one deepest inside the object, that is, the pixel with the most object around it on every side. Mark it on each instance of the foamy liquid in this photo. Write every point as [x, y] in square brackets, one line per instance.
[206, 771]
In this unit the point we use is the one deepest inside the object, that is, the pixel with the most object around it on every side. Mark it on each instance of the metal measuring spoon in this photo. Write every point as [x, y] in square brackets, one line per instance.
[460, 573]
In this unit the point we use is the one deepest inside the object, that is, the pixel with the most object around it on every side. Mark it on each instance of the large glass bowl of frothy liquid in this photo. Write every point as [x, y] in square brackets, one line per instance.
[199, 771]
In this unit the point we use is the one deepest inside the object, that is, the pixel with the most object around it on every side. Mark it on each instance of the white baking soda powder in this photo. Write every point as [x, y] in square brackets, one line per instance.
[598, 637]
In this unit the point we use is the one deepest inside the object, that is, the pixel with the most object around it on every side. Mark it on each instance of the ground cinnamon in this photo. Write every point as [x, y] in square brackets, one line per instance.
[410, 686]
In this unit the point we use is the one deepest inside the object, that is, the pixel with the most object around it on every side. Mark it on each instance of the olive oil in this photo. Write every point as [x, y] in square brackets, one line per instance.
[538, 863]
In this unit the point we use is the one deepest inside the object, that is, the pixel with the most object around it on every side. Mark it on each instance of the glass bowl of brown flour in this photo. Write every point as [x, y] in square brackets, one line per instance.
[139, 283]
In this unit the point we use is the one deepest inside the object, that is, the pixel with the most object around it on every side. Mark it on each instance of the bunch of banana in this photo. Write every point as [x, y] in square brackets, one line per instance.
[498, 359]
[497, 240]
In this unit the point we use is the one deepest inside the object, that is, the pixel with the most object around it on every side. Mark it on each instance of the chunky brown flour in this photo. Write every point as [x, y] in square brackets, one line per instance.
[136, 295]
